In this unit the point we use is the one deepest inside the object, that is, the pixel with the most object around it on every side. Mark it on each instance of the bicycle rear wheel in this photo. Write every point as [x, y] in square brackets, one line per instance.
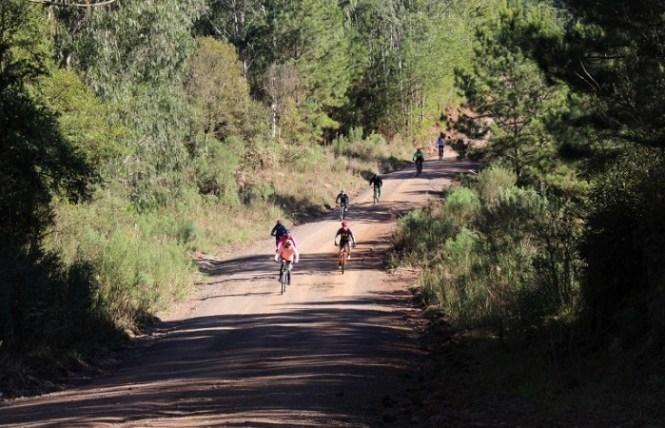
[283, 277]
[341, 260]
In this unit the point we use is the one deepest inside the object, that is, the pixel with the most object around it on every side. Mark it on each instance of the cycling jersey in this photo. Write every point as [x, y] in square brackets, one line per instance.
[289, 254]
[345, 236]
[342, 199]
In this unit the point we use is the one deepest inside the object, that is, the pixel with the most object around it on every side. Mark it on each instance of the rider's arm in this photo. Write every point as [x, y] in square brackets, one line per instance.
[273, 232]
[297, 255]
[336, 235]
[353, 238]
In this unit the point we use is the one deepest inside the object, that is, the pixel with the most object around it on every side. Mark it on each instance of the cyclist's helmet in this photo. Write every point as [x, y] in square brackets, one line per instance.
[345, 224]
[287, 243]
[279, 221]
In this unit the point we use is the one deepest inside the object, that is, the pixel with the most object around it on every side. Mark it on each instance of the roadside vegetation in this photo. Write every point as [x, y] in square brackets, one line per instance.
[547, 266]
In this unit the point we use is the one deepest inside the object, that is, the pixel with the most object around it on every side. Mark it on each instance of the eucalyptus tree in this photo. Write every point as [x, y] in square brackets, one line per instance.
[307, 37]
[133, 54]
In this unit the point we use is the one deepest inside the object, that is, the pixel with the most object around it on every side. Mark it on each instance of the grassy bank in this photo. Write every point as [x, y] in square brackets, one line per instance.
[500, 280]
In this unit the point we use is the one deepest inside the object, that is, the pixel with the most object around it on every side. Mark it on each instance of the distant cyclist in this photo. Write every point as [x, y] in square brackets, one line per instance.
[278, 232]
[346, 237]
[377, 182]
[441, 144]
[419, 159]
[343, 201]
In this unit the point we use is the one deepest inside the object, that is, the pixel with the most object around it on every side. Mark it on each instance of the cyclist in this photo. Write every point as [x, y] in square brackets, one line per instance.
[343, 201]
[345, 238]
[441, 144]
[377, 182]
[288, 254]
[278, 232]
[419, 158]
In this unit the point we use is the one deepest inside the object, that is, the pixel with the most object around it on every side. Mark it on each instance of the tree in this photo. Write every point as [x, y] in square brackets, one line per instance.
[217, 88]
[36, 160]
[308, 36]
[510, 89]
[36, 163]
[615, 52]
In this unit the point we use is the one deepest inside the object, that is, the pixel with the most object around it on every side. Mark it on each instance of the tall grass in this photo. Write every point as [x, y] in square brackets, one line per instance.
[490, 254]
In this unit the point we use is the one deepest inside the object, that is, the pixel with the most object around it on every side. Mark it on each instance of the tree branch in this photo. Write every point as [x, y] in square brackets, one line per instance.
[62, 3]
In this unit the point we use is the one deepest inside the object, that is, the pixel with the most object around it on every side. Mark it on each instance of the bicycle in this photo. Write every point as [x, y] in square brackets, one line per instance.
[419, 168]
[377, 194]
[343, 257]
[343, 209]
[284, 275]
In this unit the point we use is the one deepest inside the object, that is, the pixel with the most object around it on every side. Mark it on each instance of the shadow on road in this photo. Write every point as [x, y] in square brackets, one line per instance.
[265, 365]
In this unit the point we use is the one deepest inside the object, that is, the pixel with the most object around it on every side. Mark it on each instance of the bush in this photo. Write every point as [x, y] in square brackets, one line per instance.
[215, 165]
[623, 246]
[139, 261]
[463, 205]
[501, 256]
[45, 305]
[492, 182]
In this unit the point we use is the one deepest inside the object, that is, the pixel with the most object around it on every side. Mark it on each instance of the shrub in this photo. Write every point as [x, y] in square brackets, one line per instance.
[463, 205]
[492, 181]
[215, 165]
[501, 256]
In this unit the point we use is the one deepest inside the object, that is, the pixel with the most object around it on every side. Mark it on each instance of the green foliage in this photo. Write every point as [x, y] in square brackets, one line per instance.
[495, 254]
[508, 87]
[136, 43]
[623, 291]
[216, 164]
[218, 89]
[463, 204]
[37, 163]
[83, 118]
[295, 54]
[621, 66]
[492, 182]
[139, 260]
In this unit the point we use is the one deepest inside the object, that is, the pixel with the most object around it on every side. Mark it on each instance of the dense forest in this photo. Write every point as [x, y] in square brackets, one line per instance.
[136, 132]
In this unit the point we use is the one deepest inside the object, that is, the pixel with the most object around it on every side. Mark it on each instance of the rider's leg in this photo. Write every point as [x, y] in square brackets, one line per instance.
[347, 245]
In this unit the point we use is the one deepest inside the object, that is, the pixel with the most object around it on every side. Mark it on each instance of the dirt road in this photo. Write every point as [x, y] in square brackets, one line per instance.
[329, 352]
